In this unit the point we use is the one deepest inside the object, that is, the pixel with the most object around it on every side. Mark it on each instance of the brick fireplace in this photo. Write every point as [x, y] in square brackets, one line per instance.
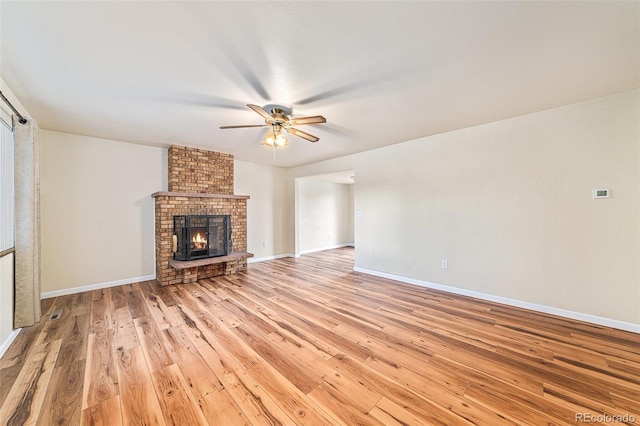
[200, 183]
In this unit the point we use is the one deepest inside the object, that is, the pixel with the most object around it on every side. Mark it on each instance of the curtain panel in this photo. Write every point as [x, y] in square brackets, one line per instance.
[27, 224]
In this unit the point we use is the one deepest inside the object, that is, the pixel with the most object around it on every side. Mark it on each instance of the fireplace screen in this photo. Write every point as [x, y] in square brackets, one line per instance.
[200, 236]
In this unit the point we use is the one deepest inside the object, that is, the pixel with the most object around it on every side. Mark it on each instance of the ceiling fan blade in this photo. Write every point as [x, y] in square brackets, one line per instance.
[303, 135]
[243, 125]
[314, 119]
[261, 111]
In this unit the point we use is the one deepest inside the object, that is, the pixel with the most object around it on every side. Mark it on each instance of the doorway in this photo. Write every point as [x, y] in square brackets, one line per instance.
[324, 212]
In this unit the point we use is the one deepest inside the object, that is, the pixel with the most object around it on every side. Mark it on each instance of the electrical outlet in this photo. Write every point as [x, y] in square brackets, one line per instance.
[370, 252]
[445, 264]
[264, 244]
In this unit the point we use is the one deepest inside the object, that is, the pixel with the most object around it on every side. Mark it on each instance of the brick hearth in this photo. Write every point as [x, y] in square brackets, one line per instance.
[200, 182]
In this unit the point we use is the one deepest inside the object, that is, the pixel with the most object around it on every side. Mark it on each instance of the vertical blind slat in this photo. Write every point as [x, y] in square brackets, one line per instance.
[6, 188]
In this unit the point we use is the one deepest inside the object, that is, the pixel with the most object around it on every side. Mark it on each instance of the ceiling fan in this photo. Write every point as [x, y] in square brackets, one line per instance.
[280, 119]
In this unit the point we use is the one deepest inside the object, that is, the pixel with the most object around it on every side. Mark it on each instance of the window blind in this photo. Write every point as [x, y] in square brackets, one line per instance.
[6, 187]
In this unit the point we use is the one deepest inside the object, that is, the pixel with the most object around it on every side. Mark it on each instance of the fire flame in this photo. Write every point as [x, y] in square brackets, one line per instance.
[198, 241]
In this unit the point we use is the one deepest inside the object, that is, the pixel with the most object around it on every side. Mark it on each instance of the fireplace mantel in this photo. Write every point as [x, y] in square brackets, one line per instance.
[197, 195]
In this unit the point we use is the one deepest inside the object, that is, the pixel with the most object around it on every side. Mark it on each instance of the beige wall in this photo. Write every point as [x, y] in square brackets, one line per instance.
[325, 215]
[269, 209]
[88, 181]
[110, 182]
[97, 210]
[509, 205]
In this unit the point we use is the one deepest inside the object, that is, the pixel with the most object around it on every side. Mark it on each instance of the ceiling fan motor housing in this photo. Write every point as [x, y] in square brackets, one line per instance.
[275, 109]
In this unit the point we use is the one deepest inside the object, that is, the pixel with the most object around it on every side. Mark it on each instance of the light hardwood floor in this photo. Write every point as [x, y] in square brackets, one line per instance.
[308, 341]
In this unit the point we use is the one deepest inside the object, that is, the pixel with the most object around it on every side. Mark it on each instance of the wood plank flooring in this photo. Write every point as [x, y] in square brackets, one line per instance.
[308, 341]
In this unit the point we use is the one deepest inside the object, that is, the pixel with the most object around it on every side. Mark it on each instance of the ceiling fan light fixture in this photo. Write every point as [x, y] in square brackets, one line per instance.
[279, 119]
[269, 141]
[275, 139]
[281, 141]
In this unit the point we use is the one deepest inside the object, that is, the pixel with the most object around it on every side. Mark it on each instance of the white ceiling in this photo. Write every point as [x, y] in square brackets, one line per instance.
[345, 177]
[164, 73]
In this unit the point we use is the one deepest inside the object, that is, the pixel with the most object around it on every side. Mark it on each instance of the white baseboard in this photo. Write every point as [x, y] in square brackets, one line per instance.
[265, 258]
[594, 319]
[8, 341]
[280, 256]
[326, 248]
[74, 290]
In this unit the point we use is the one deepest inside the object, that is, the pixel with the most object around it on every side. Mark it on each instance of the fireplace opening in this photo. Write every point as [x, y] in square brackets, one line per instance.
[201, 236]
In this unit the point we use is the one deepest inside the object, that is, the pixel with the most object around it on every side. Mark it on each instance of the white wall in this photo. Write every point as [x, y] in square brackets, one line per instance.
[97, 210]
[325, 215]
[268, 210]
[509, 205]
